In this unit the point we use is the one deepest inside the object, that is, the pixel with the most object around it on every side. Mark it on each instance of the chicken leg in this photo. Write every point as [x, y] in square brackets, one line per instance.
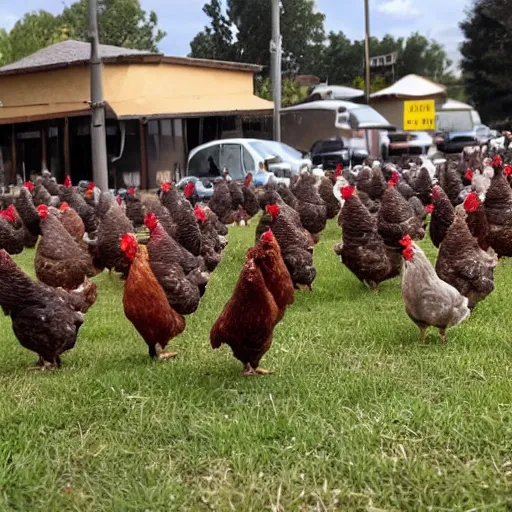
[443, 336]
[250, 371]
[163, 355]
[422, 335]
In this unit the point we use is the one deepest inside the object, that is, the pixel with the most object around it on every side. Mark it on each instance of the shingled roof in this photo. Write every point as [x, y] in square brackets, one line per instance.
[74, 53]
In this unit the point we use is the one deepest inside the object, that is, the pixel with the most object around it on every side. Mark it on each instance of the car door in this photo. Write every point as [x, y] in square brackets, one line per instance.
[231, 158]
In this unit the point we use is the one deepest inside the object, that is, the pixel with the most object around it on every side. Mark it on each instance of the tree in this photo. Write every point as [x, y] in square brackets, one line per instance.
[5, 47]
[377, 84]
[486, 59]
[292, 92]
[121, 23]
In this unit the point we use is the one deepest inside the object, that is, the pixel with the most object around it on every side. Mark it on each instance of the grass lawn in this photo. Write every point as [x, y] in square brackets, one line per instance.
[357, 416]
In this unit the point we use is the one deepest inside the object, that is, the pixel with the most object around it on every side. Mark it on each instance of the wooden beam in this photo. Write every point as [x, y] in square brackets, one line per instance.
[143, 157]
[44, 150]
[13, 152]
[67, 161]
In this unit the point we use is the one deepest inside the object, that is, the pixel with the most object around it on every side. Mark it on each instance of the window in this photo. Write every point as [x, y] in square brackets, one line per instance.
[206, 163]
[231, 157]
[165, 127]
[249, 164]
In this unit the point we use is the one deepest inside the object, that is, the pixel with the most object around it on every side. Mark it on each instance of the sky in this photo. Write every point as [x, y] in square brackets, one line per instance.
[183, 19]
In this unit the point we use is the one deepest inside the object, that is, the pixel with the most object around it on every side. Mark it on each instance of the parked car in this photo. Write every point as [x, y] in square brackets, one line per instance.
[409, 143]
[329, 153]
[243, 156]
[203, 188]
[456, 141]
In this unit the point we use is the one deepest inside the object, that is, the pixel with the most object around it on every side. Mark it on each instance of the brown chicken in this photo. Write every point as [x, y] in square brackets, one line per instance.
[362, 249]
[59, 261]
[311, 207]
[27, 211]
[364, 180]
[29, 240]
[134, 210]
[72, 223]
[145, 304]
[182, 213]
[442, 215]
[237, 195]
[250, 204]
[247, 322]
[498, 210]
[40, 194]
[267, 256]
[43, 320]
[463, 264]
[11, 239]
[164, 258]
[476, 219]
[377, 184]
[69, 195]
[221, 202]
[287, 196]
[423, 186]
[429, 301]
[211, 243]
[451, 182]
[152, 204]
[325, 190]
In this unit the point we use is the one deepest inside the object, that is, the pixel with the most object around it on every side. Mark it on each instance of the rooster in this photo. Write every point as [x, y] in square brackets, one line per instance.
[145, 303]
[463, 264]
[59, 261]
[429, 301]
[247, 322]
[44, 320]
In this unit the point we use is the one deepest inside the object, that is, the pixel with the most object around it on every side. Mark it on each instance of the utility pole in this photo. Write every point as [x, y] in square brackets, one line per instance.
[275, 55]
[98, 133]
[367, 51]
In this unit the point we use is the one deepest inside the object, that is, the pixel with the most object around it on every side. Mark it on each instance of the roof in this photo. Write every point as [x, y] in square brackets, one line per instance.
[74, 53]
[189, 106]
[323, 105]
[29, 113]
[412, 86]
[337, 92]
[455, 105]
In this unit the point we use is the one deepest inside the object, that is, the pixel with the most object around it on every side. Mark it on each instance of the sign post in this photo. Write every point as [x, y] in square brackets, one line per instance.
[420, 115]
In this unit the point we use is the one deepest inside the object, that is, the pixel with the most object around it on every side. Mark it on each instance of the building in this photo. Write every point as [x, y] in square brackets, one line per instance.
[158, 108]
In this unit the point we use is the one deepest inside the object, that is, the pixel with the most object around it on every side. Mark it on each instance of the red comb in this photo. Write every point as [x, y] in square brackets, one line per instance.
[347, 192]
[339, 170]
[435, 192]
[471, 203]
[497, 161]
[273, 210]
[29, 185]
[406, 241]
[90, 186]
[248, 179]
[165, 187]
[67, 182]
[469, 175]
[64, 206]
[150, 221]
[408, 253]
[189, 190]
[429, 208]
[267, 236]
[42, 209]
[200, 214]
[507, 170]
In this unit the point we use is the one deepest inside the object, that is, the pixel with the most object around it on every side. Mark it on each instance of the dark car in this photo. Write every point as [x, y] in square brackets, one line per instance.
[455, 142]
[330, 153]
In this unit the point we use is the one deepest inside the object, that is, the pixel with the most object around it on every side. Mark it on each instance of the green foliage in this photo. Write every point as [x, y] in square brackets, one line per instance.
[487, 60]
[121, 23]
[357, 416]
[292, 92]
[377, 84]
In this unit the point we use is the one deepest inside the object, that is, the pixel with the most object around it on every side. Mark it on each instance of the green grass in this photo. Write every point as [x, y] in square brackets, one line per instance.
[357, 416]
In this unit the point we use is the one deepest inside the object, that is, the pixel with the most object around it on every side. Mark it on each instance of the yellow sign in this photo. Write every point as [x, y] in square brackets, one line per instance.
[420, 115]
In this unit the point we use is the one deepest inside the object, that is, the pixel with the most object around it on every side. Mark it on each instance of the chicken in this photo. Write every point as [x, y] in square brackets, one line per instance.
[296, 247]
[189, 193]
[326, 191]
[423, 186]
[164, 258]
[27, 211]
[211, 243]
[221, 202]
[72, 223]
[420, 211]
[41, 195]
[11, 239]
[498, 210]
[477, 220]
[250, 204]
[463, 264]
[287, 196]
[105, 249]
[451, 182]
[362, 249]
[182, 213]
[240, 217]
[49, 184]
[442, 215]
[237, 195]
[145, 303]
[134, 210]
[59, 261]
[396, 217]
[221, 229]
[429, 301]
[152, 204]
[377, 185]
[69, 195]
[247, 322]
[364, 180]
[43, 321]
[267, 256]
[311, 208]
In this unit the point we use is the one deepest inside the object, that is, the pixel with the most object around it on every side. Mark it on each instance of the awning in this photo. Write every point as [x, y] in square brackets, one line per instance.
[190, 106]
[412, 86]
[29, 113]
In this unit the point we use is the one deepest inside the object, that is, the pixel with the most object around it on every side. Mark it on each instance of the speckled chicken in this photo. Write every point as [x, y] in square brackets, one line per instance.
[250, 204]
[221, 202]
[326, 191]
[311, 207]
[442, 215]
[451, 182]
[134, 210]
[362, 249]
[152, 204]
[59, 261]
[247, 322]
[423, 186]
[463, 264]
[429, 301]
[182, 213]
[43, 320]
[237, 195]
[287, 196]
[87, 213]
[145, 303]
[164, 258]
[27, 211]
[364, 180]
[377, 185]
[11, 239]
[477, 220]
[211, 244]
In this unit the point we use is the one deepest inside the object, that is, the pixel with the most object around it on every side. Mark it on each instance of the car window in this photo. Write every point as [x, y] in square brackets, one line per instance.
[231, 157]
[205, 163]
[249, 164]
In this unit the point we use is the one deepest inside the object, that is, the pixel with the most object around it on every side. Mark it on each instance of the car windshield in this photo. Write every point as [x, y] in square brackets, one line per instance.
[270, 148]
[364, 114]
